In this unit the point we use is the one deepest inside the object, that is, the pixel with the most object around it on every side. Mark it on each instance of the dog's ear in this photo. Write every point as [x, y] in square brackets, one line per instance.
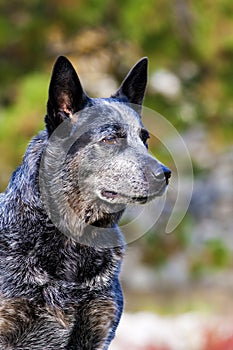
[134, 85]
[66, 95]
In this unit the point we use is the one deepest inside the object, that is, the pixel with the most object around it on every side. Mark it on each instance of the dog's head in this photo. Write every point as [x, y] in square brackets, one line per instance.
[107, 161]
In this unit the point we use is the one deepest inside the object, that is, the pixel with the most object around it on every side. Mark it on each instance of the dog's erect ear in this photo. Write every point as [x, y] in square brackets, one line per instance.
[66, 95]
[134, 85]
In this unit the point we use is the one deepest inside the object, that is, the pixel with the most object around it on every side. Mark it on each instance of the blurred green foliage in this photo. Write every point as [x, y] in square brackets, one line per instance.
[214, 256]
[158, 247]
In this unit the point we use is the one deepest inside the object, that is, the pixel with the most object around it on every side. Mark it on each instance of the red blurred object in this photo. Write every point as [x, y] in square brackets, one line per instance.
[216, 342]
[154, 347]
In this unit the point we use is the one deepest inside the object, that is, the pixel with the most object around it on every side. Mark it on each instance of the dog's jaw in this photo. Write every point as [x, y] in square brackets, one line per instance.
[113, 197]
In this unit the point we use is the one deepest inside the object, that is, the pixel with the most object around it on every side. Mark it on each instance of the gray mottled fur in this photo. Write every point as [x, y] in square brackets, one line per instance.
[60, 247]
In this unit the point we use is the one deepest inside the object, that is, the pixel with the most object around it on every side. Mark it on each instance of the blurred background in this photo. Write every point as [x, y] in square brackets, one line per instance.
[178, 287]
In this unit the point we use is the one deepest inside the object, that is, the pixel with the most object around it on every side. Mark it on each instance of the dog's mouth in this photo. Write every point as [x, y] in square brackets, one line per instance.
[109, 194]
[112, 196]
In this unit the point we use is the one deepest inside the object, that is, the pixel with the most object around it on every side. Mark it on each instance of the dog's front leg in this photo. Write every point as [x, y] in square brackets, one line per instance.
[94, 322]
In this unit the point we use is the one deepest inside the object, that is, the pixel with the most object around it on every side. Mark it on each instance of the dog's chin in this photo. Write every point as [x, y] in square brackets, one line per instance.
[113, 197]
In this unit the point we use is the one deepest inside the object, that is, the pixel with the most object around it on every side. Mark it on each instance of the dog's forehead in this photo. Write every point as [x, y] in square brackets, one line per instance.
[118, 112]
[106, 112]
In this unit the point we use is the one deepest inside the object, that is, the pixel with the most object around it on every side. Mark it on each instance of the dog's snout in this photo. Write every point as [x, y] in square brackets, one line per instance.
[163, 173]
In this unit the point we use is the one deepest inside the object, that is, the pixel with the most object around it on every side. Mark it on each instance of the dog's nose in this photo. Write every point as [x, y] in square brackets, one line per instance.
[163, 173]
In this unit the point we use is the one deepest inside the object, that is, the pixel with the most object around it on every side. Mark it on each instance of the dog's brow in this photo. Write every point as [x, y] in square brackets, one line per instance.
[116, 129]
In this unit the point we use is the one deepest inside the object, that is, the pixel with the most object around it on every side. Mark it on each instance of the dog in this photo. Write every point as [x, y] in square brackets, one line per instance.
[60, 246]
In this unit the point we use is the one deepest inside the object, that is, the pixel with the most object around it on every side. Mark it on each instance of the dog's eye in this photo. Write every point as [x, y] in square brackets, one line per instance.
[110, 140]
